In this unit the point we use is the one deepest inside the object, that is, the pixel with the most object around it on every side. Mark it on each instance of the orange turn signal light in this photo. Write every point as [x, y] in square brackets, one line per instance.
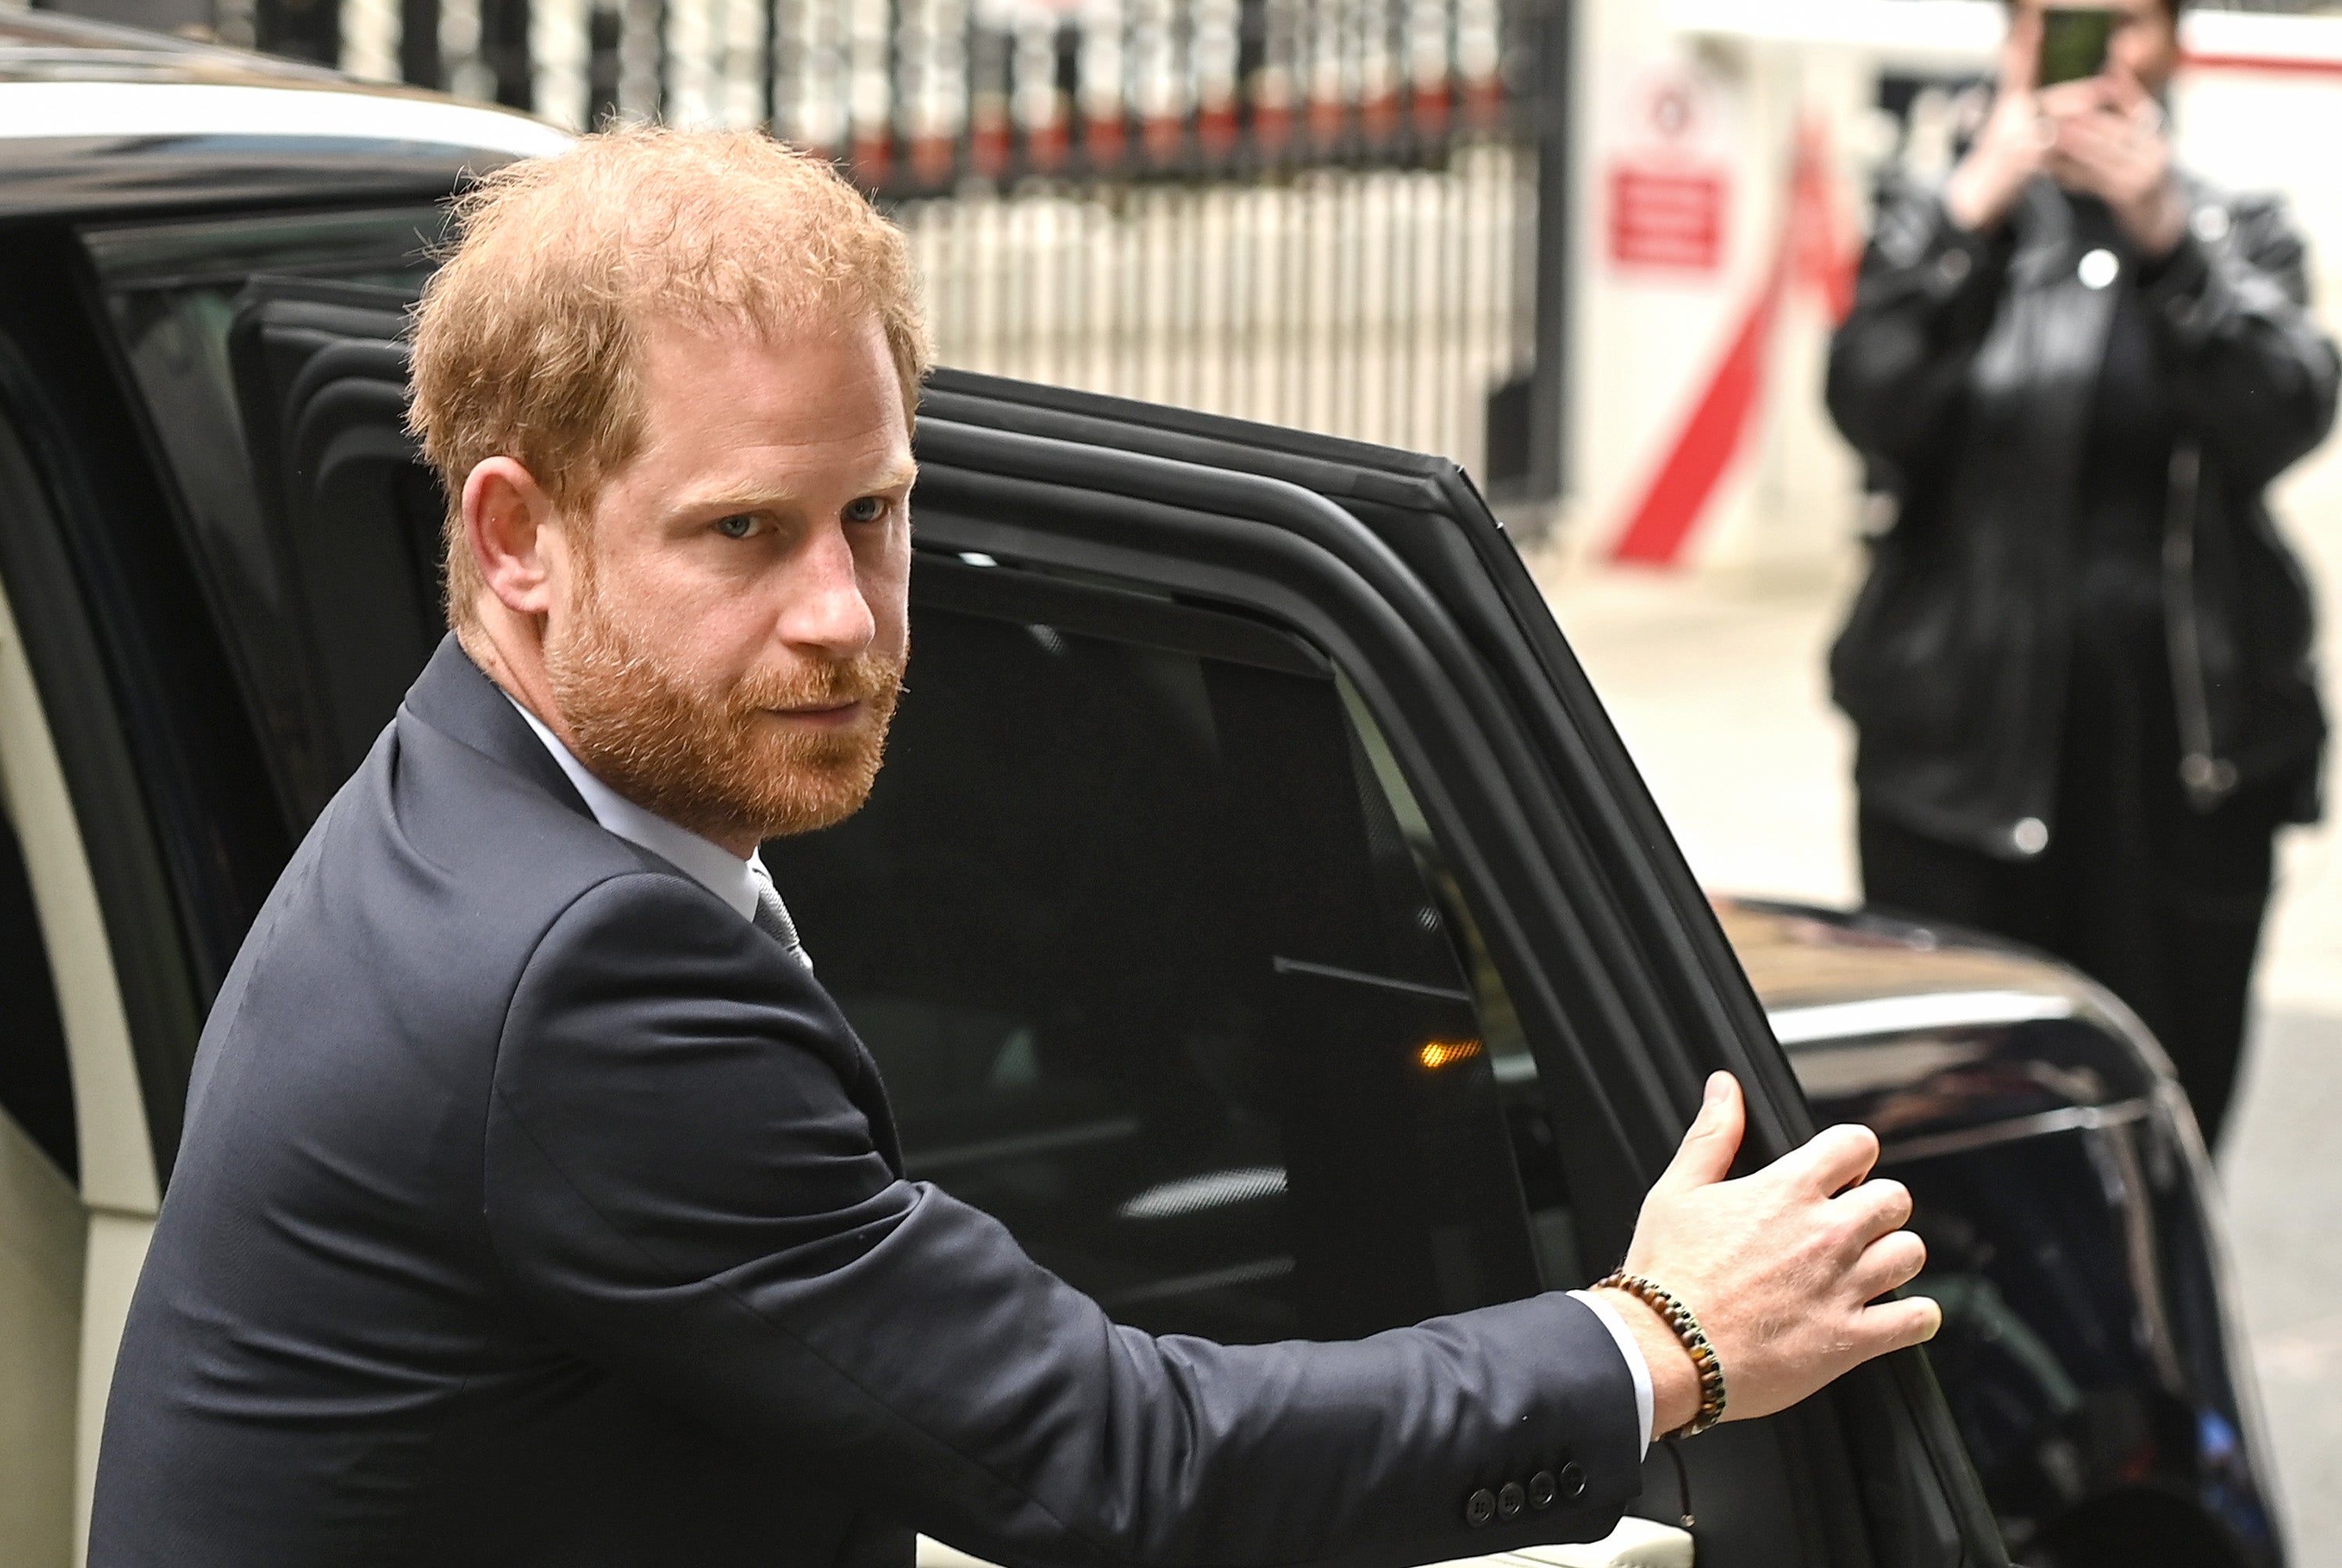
[1438, 1054]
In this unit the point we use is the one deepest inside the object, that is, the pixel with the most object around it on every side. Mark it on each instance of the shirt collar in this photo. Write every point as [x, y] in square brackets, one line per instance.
[708, 864]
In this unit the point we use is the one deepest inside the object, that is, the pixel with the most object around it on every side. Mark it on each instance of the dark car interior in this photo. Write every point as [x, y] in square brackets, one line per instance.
[1153, 976]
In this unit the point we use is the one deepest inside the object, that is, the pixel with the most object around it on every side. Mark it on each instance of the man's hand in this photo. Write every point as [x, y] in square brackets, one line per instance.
[1779, 1266]
[2110, 142]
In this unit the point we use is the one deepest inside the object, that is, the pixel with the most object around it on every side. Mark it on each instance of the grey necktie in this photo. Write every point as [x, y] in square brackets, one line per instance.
[772, 918]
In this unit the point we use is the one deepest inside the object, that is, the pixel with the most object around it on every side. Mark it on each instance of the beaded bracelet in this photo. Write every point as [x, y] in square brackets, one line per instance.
[1687, 1328]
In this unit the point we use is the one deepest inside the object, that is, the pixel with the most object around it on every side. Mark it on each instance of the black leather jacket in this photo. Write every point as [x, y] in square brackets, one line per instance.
[1965, 377]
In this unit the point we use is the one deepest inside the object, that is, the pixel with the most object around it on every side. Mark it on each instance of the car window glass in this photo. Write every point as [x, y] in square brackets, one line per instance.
[1138, 941]
[171, 293]
[1552, 1219]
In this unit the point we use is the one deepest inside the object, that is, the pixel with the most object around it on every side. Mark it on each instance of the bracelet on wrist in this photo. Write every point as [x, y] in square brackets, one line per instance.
[1688, 1332]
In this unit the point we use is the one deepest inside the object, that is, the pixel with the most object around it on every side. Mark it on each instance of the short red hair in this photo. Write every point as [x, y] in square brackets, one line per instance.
[526, 342]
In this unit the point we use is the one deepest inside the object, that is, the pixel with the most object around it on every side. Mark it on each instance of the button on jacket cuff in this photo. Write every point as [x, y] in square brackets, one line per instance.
[1636, 1367]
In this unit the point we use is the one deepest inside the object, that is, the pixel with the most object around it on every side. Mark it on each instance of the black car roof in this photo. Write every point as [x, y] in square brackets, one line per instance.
[95, 118]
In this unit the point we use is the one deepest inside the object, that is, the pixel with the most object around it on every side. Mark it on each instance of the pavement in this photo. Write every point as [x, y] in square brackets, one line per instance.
[1715, 682]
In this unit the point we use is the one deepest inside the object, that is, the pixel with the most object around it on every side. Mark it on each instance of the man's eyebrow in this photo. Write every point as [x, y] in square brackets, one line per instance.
[783, 499]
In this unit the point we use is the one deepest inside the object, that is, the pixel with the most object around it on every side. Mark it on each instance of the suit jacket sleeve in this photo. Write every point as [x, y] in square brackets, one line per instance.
[680, 1190]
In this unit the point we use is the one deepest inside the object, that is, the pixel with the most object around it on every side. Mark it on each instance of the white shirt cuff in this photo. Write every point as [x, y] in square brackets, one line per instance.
[1636, 1367]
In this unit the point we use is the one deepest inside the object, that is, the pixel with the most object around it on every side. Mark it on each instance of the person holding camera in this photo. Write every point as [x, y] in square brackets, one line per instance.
[2080, 668]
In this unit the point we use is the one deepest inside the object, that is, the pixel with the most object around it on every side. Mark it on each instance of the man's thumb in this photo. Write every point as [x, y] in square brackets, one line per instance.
[1713, 1138]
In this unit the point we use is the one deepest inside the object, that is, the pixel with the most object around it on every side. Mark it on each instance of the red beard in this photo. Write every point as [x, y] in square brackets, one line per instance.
[717, 762]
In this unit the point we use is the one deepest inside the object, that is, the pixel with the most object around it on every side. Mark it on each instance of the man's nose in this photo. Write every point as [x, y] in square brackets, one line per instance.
[826, 608]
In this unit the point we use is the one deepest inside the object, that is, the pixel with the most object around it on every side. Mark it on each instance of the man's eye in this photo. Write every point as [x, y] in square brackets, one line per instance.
[737, 526]
[866, 509]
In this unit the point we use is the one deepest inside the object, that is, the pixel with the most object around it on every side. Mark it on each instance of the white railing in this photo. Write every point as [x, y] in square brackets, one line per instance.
[1316, 213]
[1384, 305]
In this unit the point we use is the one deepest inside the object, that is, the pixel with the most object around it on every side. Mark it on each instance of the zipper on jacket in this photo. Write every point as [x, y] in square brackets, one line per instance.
[2205, 775]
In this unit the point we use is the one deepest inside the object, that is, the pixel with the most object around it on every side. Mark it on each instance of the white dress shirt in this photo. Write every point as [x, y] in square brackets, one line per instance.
[709, 863]
[1636, 1367]
[735, 879]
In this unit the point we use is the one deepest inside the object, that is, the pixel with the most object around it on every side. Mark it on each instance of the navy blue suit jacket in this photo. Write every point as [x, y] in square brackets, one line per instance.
[536, 1208]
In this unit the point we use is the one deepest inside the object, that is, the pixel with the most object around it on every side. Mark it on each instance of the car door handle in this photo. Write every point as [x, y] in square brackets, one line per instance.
[1636, 1544]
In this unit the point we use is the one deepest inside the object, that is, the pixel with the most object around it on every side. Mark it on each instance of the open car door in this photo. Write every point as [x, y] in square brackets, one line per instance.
[1257, 911]
[1055, 529]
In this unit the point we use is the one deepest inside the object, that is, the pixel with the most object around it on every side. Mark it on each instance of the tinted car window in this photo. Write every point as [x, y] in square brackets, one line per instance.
[1136, 938]
[1552, 1218]
[171, 293]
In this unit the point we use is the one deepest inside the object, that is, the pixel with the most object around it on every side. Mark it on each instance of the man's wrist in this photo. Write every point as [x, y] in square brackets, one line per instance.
[1674, 1381]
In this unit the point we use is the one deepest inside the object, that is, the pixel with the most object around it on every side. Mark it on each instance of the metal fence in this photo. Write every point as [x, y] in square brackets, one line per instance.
[1381, 304]
[1322, 213]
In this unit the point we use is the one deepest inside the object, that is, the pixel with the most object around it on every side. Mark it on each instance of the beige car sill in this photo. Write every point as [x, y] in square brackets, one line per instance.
[1636, 1544]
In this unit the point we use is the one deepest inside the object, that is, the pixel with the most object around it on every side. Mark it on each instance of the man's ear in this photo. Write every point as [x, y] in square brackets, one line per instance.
[505, 515]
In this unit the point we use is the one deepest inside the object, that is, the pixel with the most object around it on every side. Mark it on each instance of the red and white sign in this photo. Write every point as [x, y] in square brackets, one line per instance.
[1666, 184]
[1817, 251]
[1667, 217]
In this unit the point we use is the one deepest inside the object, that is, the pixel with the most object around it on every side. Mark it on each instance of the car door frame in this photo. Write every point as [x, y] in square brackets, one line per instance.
[1391, 564]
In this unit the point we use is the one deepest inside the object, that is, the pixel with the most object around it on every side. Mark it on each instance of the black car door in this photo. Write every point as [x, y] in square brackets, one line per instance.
[1256, 910]
[1594, 965]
